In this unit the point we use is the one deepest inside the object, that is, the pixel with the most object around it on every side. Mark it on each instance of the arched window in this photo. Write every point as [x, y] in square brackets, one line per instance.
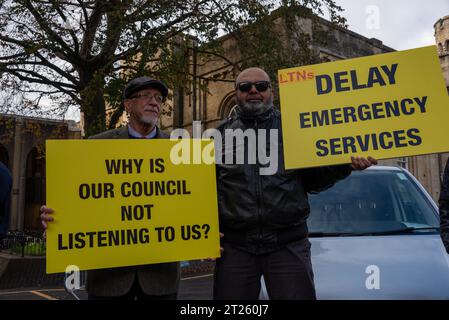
[226, 105]
[447, 46]
[440, 48]
[35, 189]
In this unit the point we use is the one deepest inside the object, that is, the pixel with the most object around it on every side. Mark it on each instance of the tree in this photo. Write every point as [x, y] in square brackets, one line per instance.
[79, 53]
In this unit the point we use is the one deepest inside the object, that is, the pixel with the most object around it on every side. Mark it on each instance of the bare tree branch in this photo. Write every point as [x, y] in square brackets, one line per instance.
[51, 33]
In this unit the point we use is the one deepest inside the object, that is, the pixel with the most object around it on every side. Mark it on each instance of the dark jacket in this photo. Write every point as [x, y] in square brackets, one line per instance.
[261, 213]
[154, 279]
[5, 199]
[444, 208]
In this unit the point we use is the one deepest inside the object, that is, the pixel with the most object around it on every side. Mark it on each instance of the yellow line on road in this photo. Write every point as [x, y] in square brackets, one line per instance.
[12, 292]
[197, 277]
[6, 293]
[43, 295]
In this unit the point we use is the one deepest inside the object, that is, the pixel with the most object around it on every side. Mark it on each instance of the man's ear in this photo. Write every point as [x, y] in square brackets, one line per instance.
[127, 105]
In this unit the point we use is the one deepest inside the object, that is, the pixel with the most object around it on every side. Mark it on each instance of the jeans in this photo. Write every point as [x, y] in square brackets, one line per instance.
[287, 272]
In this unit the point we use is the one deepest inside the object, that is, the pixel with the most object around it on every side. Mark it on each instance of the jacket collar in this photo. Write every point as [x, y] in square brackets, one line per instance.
[123, 133]
[134, 134]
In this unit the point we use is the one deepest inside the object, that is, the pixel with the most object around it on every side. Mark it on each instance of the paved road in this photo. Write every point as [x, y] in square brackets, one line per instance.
[191, 288]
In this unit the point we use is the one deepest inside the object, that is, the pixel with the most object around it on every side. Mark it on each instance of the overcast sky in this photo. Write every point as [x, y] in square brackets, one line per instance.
[402, 24]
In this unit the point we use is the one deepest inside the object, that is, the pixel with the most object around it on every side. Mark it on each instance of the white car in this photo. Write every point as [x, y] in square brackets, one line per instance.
[375, 235]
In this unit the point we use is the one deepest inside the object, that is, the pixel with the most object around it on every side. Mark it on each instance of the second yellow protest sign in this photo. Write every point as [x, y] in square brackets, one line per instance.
[125, 202]
[385, 106]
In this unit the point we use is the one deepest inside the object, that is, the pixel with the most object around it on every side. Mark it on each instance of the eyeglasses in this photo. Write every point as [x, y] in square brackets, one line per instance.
[147, 97]
[260, 86]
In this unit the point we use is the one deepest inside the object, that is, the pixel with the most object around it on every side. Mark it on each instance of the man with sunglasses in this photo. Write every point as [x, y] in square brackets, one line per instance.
[143, 98]
[263, 217]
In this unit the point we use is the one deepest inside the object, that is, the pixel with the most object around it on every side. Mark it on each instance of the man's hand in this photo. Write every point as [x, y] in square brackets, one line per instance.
[359, 163]
[45, 217]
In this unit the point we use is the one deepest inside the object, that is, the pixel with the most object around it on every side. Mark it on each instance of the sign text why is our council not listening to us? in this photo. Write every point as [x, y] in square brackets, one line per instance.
[151, 188]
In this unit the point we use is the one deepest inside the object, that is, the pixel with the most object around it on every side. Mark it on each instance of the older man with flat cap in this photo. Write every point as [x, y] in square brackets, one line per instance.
[143, 98]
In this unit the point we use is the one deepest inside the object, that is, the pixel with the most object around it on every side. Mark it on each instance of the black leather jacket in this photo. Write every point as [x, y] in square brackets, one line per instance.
[261, 213]
[444, 208]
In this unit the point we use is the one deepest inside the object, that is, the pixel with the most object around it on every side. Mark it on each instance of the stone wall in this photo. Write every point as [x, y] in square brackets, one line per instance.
[22, 140]
[215, 85]
[442, 42]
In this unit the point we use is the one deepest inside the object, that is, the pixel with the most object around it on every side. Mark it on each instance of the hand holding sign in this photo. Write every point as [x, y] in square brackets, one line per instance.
[360, 163]
[45, 217]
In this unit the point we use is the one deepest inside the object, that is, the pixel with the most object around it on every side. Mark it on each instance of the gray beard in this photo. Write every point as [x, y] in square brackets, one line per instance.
[254, 108]
[149, 120]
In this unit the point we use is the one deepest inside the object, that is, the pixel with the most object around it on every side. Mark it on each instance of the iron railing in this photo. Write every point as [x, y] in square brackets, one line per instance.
[23, 243]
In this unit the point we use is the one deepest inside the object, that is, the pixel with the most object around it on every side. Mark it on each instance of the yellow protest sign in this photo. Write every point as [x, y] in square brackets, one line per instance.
[386, 106]
[124, 202]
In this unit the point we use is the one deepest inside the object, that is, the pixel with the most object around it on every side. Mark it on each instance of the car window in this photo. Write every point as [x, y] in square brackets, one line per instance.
[371, 201]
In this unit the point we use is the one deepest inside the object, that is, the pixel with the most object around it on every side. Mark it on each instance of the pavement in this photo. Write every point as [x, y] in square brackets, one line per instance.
[197, 287]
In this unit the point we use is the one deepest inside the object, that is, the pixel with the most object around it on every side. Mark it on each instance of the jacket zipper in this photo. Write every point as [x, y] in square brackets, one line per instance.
[258, 184]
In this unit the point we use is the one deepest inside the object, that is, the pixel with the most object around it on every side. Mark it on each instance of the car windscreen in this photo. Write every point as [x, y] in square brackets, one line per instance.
[372, 201]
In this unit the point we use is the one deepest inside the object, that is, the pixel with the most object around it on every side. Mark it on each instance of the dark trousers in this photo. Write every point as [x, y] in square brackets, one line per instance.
[135, 293]
[287, 272]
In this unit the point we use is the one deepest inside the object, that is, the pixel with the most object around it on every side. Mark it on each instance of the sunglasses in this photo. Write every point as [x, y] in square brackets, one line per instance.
[260, 86]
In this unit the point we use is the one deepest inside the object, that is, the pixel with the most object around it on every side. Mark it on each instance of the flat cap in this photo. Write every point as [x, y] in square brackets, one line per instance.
[140, 83]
